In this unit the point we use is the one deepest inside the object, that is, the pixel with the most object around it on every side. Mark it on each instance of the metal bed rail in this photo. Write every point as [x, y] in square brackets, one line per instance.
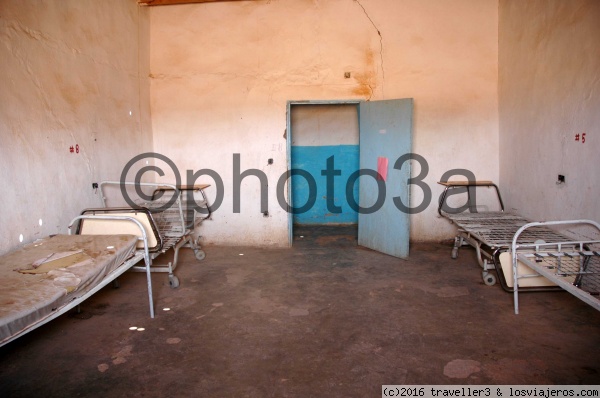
[174, 223]
[490, 233]
[144, 254]
[479, 230]
[468, 186]
[157, 204]
[573, 265]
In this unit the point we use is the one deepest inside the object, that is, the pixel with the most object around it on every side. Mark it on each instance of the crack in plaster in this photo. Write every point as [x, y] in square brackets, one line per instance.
[42, 94]
[54, 44]
[23, 60]
[380, 45]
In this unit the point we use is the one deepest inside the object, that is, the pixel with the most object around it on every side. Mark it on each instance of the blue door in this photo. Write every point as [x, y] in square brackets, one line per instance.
[313, 159]
[385, 135]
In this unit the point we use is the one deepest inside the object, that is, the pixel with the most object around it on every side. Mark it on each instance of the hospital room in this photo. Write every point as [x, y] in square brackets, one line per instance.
[293, 198]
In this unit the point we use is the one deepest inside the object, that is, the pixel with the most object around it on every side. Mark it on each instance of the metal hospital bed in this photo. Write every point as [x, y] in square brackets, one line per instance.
[525, 255]
[45, 279]
[573, 265]
[169, 217]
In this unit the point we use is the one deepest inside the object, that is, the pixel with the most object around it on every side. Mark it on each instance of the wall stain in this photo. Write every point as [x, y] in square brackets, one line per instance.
[367, 81]
[564, 17]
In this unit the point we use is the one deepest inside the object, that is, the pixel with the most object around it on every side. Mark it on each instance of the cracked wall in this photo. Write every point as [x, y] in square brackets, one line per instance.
[549, 94]
[223, 73]
[71, 75]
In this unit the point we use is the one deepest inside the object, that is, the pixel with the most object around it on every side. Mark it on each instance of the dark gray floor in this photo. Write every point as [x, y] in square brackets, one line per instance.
[325, 318]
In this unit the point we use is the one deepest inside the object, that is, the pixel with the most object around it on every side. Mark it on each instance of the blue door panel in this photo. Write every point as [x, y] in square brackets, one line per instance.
[313, 159]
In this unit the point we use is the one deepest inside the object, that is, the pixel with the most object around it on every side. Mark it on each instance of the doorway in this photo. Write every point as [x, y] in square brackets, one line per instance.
[374, 193]
[324, 136]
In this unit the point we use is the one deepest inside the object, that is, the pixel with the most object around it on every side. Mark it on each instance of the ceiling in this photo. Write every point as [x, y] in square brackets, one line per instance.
[172, 2]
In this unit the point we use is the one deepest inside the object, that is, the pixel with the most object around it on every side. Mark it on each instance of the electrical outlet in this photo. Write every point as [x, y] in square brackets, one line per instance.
[94, 185]
[270, 161]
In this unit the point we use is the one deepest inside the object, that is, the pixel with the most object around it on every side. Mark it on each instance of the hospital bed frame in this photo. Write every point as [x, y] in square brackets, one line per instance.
[139, 255]
[490, 232]
[572, 265]
[537, 249]
[174, 224]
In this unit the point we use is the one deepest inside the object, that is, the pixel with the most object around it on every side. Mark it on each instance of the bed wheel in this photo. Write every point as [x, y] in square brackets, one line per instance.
[200, 255]
[489, 279]
[173, 281]
[454, 254]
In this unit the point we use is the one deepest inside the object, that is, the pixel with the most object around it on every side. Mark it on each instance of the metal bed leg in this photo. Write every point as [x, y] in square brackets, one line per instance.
[148, 262]
[178, 246]
[488, 278]
[173, 280]
[457, 244]
[195, 246]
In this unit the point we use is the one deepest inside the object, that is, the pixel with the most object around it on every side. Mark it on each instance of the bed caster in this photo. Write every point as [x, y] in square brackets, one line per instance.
[173, 281]
[454, 254]
[489, 279]
[457, 244]
[200, 255]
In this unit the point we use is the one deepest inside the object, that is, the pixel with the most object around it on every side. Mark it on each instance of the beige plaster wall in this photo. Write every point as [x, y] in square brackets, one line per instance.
[72, 71]
[549, 92]
[222, 74]
[318, 125]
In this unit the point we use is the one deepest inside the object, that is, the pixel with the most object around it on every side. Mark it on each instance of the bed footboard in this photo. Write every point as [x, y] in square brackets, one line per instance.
[573, 265]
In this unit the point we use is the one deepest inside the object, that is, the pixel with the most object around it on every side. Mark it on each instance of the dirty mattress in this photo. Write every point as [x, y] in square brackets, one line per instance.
[43, 276]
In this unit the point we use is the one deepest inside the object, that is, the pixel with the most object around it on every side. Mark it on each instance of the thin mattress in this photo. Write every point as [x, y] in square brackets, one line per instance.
[40, 277]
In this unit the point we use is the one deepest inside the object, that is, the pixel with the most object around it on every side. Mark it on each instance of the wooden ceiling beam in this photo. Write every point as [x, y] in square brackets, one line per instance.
[172, 2]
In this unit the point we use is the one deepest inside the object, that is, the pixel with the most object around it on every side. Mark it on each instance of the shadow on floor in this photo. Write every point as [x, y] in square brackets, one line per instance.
[314, 236]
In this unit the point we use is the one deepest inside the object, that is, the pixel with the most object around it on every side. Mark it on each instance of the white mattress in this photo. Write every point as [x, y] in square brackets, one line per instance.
[28, 298]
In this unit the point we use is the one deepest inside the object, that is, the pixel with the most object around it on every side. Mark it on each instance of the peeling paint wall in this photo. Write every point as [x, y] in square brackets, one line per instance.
[549, 96]
[222, 74]
[72, 71]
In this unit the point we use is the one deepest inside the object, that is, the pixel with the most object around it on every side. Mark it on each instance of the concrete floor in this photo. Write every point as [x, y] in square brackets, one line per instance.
[325, 318]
